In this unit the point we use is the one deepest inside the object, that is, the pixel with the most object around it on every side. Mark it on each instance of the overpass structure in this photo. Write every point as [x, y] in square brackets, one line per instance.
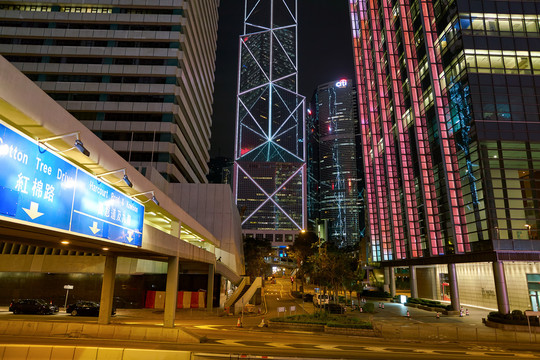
[63, 188]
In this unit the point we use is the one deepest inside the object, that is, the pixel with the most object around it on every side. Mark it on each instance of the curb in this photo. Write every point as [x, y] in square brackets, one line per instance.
[176, 335]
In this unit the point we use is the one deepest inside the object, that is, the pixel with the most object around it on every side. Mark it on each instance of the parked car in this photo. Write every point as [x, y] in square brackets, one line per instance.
[32, 306]
[85, 308]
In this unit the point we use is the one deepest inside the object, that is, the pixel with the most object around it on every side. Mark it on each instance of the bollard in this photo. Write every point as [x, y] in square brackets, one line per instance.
[408, 315]
[437, 315]
[467, 312]
[379, 305]
[382, 306]
[461, 313]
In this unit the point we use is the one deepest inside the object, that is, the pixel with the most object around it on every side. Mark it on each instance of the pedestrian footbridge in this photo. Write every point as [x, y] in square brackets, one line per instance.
[65, 194]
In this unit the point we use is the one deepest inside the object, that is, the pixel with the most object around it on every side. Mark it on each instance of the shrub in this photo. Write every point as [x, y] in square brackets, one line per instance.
[427, 302]
[516, 317]
[369, 307]
[302, 319]
[323, 318]
[375, 294]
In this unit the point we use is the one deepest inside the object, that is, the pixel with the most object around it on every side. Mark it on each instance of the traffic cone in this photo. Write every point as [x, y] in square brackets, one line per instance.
[361, 309]
[467, 312]
[263, 324]
[437, 316]
[408, 315]
[239, 323]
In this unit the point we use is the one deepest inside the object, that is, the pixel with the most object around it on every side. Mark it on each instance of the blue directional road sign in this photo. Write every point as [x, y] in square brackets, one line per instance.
[38, 186]
[35, 184]
[100, 210]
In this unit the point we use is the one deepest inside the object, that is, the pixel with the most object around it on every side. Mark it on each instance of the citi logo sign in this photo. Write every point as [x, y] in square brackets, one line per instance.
[341, 83]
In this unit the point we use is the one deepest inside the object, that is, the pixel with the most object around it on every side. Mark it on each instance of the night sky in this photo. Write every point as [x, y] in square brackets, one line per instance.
[324, 54]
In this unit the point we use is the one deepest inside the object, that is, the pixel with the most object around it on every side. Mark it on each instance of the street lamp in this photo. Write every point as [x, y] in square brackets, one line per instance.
[78, 144]
[528, 229]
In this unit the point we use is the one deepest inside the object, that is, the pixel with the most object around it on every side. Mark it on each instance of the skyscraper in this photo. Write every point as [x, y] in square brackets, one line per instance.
[449, 115]
[139, 74]
[269, 168]
[337, 164]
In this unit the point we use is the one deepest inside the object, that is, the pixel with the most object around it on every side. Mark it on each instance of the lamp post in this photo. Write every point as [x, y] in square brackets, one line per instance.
[528, 230]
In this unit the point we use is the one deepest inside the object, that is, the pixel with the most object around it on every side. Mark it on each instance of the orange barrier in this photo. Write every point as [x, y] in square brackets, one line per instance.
[184, 300]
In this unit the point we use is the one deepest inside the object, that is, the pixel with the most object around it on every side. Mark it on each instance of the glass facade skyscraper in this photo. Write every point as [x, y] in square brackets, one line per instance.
[269, 167]
[449, 114]
[139, 74]
[336, 163]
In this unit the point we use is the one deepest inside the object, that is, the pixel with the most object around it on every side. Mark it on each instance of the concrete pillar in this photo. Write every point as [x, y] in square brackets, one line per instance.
[412, 279]
[386, 285]
[434, 282]
[392, 282]
[107, 290]
[500, 287]
[210, 289]
[171, 292]
[454, 293]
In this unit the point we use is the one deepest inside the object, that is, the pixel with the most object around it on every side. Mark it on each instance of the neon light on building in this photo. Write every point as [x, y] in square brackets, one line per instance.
[270, 166]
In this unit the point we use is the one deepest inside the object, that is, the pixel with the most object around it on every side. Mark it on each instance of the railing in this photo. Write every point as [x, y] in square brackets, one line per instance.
[447, 332]
[244, 300]
[239, 291]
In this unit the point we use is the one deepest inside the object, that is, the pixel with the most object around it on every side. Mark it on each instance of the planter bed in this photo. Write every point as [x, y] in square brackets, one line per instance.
[321, 328]
[429, 308]
[296, 326]
[510, 327]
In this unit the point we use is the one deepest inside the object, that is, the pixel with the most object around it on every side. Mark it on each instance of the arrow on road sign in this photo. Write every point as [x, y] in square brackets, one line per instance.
[33, 211]
[130, 236]
[94, 227]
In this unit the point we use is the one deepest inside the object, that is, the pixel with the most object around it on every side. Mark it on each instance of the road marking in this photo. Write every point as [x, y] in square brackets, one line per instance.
[230, 342]
[279, 345]
[344, 347]
[210, 327]
[377, 349]
[328, 347]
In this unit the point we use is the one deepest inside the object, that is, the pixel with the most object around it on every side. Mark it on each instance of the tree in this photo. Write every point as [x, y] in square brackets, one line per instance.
[336, 269]
[255, 250]
[300, 251]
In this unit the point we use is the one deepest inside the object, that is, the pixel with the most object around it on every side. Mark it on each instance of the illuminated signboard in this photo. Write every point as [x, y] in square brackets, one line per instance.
[341, 83]
[42, 188]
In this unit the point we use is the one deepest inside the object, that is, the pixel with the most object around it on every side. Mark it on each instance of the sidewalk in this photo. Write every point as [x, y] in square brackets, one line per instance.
[392, 322]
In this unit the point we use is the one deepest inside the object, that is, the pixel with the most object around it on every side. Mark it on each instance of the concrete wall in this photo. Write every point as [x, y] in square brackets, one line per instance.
[212, 205]
[61, 264]
[427, 284]
[45, 352]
